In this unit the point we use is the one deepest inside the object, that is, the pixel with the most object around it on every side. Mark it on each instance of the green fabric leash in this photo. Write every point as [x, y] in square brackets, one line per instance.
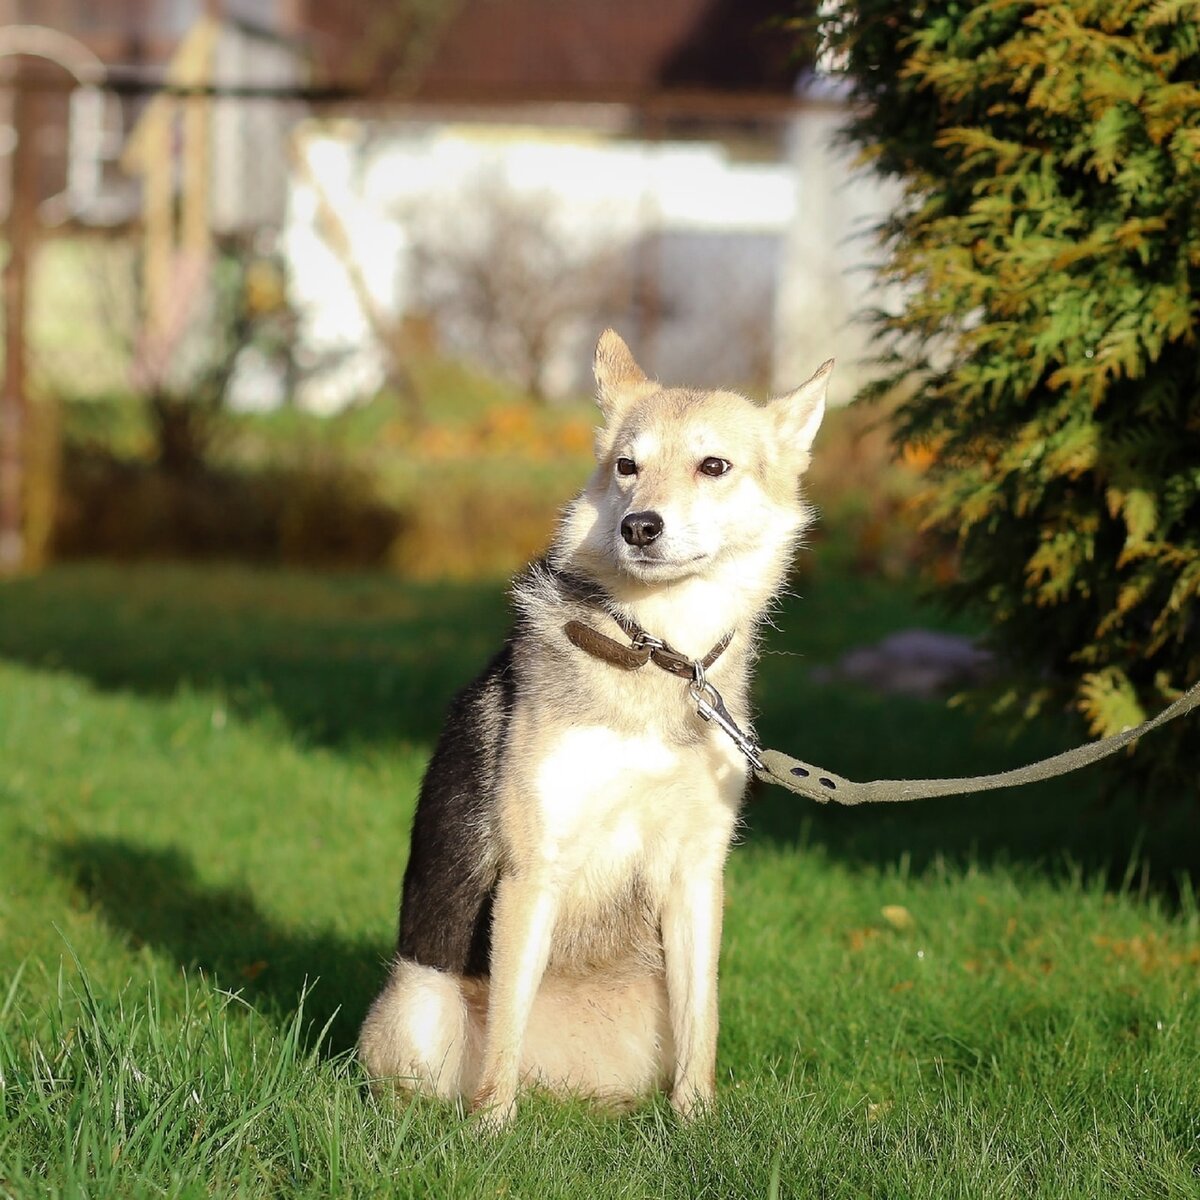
[815, 783]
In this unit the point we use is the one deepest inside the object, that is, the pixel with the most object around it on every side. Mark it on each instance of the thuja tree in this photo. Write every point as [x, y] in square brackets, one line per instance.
[1048, 252]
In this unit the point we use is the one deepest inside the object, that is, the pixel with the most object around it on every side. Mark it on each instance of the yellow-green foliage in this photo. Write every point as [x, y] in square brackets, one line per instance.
[1049, 247]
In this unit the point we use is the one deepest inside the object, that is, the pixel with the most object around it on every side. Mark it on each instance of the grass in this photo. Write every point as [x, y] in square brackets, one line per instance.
[205, 782]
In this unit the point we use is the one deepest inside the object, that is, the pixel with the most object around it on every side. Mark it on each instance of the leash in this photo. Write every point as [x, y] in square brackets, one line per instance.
[816, 783]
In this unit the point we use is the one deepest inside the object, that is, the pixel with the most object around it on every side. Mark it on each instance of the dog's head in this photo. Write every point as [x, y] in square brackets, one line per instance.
[687, 480]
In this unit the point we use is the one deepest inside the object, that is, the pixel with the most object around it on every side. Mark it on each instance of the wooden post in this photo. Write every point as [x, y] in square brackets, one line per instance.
[14, 406]
[176, 245]
[195, 219]
[158, 217]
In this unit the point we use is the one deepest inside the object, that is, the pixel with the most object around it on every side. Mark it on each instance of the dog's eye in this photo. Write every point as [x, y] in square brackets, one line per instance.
[626, 466]
[715, 466]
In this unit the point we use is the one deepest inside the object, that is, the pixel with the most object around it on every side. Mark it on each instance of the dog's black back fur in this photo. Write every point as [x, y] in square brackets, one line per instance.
[446, 907]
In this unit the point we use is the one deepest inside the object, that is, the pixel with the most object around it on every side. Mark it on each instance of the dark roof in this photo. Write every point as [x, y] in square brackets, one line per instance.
[622, 50]
[479, 51]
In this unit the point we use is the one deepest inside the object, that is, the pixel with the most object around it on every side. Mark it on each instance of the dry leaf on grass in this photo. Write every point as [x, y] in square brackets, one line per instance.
[897, 916]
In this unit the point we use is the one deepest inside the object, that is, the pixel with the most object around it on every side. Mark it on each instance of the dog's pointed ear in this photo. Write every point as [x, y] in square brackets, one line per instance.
[798, 415]
[617, 375]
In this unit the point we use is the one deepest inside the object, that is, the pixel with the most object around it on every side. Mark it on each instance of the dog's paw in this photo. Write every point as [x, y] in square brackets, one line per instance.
[693, 1104]
[492, 1113]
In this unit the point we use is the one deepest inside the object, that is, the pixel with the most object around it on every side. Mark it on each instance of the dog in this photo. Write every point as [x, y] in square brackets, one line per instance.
[561, 912]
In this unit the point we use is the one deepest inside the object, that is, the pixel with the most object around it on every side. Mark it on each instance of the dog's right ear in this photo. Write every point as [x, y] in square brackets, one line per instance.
[617, 375]
[798, 414]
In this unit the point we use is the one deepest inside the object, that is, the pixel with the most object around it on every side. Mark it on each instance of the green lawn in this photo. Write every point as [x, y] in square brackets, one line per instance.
[206, 776]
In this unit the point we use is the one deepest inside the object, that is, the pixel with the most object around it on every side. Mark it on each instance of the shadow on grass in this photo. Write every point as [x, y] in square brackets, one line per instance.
[154, 898]
[348, 660]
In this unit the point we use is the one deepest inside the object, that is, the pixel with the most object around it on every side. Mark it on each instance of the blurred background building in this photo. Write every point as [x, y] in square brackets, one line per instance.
[256, 204]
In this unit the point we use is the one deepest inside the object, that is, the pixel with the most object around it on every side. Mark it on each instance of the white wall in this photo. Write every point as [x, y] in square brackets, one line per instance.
[680, 207]
[752, 259]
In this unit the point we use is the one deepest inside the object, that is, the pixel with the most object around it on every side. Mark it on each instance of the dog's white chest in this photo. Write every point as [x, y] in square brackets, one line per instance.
[605, 796]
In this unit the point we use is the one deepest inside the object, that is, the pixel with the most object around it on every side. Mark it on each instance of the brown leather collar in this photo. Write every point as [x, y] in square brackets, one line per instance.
[644, 649]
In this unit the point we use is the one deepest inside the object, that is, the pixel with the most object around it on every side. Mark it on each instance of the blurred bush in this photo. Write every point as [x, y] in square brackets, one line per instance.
[321, 511]
[504, 286]
[1048, 252]
[865, 500]
[470, 489]
[472, 526]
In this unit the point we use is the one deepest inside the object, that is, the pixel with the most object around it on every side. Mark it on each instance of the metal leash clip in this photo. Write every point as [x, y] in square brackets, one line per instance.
[711, 707]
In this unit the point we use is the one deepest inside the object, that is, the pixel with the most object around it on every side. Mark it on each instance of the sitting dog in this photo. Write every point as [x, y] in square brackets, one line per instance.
[561, 913]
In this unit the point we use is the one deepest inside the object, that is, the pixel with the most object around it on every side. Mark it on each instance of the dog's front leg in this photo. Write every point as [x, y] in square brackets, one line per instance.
[691, 928]
[523, 917]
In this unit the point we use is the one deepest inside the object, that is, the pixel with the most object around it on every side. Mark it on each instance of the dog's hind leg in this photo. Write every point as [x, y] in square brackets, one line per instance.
[417, 1035]
[605, 1039]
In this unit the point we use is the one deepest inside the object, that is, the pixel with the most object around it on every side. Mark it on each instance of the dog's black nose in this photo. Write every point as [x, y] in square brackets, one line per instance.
[640, 529]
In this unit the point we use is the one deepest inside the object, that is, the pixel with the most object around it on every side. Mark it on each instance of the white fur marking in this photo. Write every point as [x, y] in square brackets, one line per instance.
[425, 1016]
[589, 772]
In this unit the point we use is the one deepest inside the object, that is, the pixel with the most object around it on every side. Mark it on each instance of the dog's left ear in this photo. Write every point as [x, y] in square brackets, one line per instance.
[617, 375]
[798, 414]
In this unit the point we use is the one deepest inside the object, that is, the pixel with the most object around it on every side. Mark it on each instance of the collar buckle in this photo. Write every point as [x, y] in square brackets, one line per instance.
[641, 640]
